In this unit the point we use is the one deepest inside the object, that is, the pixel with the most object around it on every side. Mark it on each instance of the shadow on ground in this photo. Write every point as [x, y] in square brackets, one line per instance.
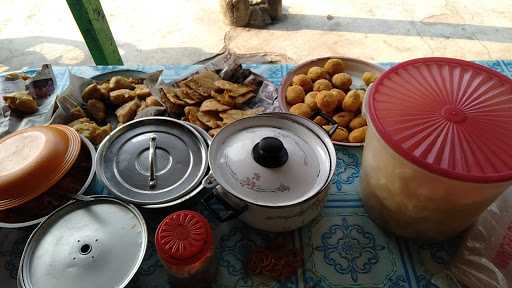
[16, 53]
[294, 22]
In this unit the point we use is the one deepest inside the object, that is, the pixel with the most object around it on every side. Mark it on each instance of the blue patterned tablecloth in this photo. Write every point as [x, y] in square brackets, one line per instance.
[342, 247]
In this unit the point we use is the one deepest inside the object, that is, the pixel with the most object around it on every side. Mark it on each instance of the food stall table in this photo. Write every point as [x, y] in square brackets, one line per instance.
[341, 248]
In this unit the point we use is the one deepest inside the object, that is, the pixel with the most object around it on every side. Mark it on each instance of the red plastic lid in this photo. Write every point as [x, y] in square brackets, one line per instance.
[448, 116]
[183, 238]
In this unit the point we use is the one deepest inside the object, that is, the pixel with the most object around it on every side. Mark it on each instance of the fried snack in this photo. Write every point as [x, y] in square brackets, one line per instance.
[72, 124]
[97, 109]
[141, 91]
[321, 85]
[317, 73]
[135, 81]
[334, 66]
[310, 100]
[369, 77]
[231, 116]
[320, 120]
[171, 102]
[191, 116]
[343, 118]
[294, 95]
[120, 82]
[77, 113]
[301, 109]
[326, 101]
[105, 87]
[224, 98]
[93, 91]
[187, 95]
[303, 81]
[234, 89]
[239, 100]
[203, 83]
[340, 135]
[152, 101]
[127, 112]
[212, 105]
[211, 119]
[121, 96]
[340, 95]
[22, 102]
[93, 132]
[353, 101]
[214, 132]
[358, 122]
[357, 135]
[342, 81]
[142, 106]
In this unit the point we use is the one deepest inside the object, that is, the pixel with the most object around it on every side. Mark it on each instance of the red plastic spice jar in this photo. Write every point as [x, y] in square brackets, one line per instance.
[185, 245]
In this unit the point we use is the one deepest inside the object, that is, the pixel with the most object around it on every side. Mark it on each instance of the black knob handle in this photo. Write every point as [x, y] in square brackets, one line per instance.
[270, 153]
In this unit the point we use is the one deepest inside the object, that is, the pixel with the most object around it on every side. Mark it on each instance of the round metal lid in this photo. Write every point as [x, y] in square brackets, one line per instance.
[273, 159]
[179, 160]
[448, 116]
[183, 238]
[95, 243]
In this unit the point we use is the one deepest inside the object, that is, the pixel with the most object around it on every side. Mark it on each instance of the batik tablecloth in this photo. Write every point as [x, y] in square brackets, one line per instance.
[341, 248]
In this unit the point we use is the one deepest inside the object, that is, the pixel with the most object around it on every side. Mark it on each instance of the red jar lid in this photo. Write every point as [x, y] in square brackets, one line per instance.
[183, 238]
[448, 116]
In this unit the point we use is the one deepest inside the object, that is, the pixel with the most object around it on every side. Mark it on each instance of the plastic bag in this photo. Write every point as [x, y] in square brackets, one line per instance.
[485, 257]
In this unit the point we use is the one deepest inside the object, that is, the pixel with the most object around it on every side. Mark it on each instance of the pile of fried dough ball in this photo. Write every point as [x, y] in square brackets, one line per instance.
[127, 96]
[327, 89]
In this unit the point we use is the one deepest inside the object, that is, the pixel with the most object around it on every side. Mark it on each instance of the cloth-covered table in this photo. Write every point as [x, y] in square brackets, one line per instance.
[341, 248]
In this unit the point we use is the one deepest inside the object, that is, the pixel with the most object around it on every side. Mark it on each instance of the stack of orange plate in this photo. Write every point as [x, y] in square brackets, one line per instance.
[32, 160]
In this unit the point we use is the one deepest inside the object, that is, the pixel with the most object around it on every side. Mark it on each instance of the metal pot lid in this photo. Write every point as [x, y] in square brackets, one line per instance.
[95, 243]
[179, 160]
[273, 159]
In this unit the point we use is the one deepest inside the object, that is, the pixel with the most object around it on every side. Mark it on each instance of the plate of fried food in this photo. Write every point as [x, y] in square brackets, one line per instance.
[212, 99]
[335, 86]
[96, 106]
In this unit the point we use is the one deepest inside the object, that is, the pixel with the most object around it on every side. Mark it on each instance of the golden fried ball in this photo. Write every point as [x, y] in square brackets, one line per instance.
[295, 94]
[342, 81]
[340, 135]
[303, 81]
[310, 100]
[343, 118]
[358, 122]
[326, 101]
[369, 77]
[353, 101]
[317, 73]
[320, 120]
[301, 109]
[334, 66]
[358, 135]
[321, 85]
[340, 95]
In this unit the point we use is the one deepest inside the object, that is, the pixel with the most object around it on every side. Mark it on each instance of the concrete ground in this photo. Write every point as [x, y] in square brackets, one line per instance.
[33, 32]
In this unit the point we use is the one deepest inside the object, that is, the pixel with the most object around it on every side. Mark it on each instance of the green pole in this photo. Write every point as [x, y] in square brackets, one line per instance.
[94, 27]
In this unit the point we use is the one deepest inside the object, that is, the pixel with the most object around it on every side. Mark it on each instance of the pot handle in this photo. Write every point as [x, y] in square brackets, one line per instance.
[232, 212]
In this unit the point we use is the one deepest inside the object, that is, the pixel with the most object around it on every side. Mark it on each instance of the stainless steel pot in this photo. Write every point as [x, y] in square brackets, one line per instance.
[273, 171]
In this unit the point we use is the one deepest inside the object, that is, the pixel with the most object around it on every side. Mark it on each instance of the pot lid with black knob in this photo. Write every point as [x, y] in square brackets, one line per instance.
[272, 159]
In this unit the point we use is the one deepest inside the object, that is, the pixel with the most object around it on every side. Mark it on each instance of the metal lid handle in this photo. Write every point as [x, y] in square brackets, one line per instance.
[270, 153]
[152, 152]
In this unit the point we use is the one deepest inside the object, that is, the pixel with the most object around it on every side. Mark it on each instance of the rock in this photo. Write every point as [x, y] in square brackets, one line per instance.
[236, 12]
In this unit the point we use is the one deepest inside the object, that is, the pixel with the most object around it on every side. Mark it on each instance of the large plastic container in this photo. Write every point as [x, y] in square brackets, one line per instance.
[438, 148]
